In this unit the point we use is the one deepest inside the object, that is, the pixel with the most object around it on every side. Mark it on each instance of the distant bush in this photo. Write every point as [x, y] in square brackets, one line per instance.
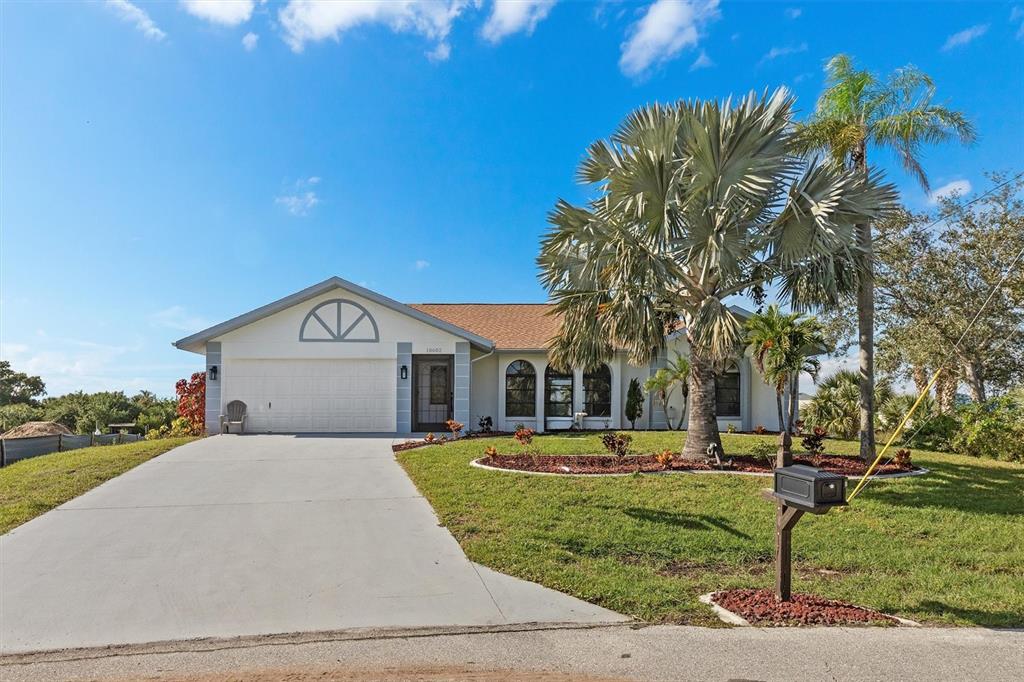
[17, 414]
[993, 429]
[762, 449]
[934, 432]
[617, 443]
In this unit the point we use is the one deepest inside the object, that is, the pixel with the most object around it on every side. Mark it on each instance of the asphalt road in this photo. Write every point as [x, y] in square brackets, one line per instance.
[617, 652]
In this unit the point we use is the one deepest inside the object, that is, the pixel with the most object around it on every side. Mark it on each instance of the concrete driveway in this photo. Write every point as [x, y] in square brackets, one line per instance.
[240, 535]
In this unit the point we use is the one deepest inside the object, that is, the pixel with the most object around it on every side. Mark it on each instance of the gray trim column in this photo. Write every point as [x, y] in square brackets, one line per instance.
[403, 389]
[462, 381]
[213, 393]
[659, 419]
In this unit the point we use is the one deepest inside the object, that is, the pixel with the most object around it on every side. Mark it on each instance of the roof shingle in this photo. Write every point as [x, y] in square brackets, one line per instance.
[518, 326]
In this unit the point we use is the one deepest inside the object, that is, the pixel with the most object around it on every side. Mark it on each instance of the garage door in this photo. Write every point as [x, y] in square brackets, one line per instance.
[306, 396]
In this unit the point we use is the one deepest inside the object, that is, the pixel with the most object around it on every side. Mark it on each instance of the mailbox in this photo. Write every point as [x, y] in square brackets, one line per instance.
[809, 489]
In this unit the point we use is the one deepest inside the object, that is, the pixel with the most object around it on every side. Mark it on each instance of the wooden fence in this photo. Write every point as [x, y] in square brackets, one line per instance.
[15, 449]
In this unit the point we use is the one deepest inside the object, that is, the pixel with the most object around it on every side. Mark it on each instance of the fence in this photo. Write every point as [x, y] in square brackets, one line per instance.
[14, 449]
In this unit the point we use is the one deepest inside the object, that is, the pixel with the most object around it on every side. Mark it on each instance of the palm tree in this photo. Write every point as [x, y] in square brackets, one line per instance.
[697, 201]
[664, 384]
[856, 109]
[782, 346]
[836, 405]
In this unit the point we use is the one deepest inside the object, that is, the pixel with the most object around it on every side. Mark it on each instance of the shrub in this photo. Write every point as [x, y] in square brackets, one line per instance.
[17, 414]
[524, 436]
[617, 443]
[731, 428]
[664, 458]
[935, 432]
[485, 424]
[902, 458]
[814, 442]
[429, 438]
[993, 429]
[760, 430]
[192, 402]
[634, 402]
[491, 451]
[455, 427]
[762, 449]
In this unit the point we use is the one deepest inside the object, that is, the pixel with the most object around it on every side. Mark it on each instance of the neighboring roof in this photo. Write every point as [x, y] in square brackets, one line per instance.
[519, 326]
[195, 342]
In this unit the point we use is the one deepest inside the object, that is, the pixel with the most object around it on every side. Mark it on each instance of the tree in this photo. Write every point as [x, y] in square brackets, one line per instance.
[855, 110]
[836, 405]
[16, 414]
[936, 286]
[782, 346]
[664, 384]
[634, 402]
[18, 387]
[192, 402]
[697, 202]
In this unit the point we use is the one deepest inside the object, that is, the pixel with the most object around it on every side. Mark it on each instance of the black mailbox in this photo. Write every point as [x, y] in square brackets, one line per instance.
[809, 489]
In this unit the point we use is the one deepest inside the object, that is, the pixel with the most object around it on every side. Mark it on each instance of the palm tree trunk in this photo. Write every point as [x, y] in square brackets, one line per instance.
[778, 404]
[794, 400]
[920, 375]
[702, 427]
[975, 381]
[866, 327]
[945, 391]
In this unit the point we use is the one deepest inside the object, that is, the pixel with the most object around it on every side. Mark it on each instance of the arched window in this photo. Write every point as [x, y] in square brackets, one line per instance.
[727, 393]
[557, 393]
[520, 390]
[597, 392]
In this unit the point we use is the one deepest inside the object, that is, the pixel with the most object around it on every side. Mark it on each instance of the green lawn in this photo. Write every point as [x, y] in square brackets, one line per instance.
[943, 548]
[33, 486]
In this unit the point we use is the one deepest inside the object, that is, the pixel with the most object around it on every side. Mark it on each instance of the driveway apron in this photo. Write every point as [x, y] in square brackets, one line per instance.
[243, 535]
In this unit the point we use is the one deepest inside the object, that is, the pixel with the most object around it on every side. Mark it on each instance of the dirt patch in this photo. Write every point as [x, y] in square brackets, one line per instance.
[391, 674]
[760, 607]
[36, 429]
[607, 464]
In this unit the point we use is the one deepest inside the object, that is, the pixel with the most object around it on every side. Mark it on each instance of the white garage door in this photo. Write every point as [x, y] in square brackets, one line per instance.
[306, 396]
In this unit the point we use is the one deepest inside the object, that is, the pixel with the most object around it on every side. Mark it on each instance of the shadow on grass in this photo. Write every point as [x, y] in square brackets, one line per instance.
[961, 487]
[1000, 619]
[681, 520]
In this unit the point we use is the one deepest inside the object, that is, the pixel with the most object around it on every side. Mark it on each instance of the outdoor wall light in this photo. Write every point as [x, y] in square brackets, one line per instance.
[213, 372]
[405, 372]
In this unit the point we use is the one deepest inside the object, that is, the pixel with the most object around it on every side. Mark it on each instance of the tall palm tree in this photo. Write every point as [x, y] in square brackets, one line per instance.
[697, 201]
[857, 109]
[783, 346]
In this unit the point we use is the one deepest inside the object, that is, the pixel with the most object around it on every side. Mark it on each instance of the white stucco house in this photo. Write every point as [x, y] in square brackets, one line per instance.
[337, 357]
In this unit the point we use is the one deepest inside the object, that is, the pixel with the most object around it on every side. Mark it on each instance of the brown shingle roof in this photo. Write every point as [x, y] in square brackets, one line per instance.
[509, 325]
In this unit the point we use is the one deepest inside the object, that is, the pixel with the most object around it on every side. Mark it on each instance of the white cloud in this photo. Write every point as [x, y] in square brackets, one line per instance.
[512, 16]
[177, 317]
[421, 264]
[964, 37]
[703, 61]
[249, 41]
[960, 187]
[1017, 15]
[135, 15]
[777, 52]
[666, 28]
[793, 12]
[306, 21]
[226, 12]
[302, 198]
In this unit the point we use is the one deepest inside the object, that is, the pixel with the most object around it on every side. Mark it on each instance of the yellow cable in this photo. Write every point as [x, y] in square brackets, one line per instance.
[895, 434]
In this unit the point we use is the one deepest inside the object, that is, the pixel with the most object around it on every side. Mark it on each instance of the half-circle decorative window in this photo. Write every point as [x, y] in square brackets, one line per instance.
[339, 320]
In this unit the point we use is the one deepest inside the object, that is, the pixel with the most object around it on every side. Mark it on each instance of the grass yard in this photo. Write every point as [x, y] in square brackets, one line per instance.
[945, 548]
[33, 486]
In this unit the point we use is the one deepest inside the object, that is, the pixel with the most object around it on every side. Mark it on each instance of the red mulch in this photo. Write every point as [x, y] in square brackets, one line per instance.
[607, 464]
[760, 607]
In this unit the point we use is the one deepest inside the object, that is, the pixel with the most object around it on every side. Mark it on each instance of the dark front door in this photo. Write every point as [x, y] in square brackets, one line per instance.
[432, 392]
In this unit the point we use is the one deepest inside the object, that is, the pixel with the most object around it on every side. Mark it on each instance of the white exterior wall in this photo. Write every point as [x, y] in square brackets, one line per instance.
[483, 393]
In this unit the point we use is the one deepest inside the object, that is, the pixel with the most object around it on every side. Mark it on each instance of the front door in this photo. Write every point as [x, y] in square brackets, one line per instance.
[432, 392]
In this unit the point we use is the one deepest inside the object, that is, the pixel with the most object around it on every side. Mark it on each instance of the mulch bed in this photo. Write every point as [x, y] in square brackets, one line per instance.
[760, 607]
[607, 464]
[413, 444]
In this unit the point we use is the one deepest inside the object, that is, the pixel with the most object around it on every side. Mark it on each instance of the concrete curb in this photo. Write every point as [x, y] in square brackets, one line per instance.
[727, 616]
[876, 477]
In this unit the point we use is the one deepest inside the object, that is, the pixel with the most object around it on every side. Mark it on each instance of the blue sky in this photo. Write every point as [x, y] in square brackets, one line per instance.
[165, 166]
